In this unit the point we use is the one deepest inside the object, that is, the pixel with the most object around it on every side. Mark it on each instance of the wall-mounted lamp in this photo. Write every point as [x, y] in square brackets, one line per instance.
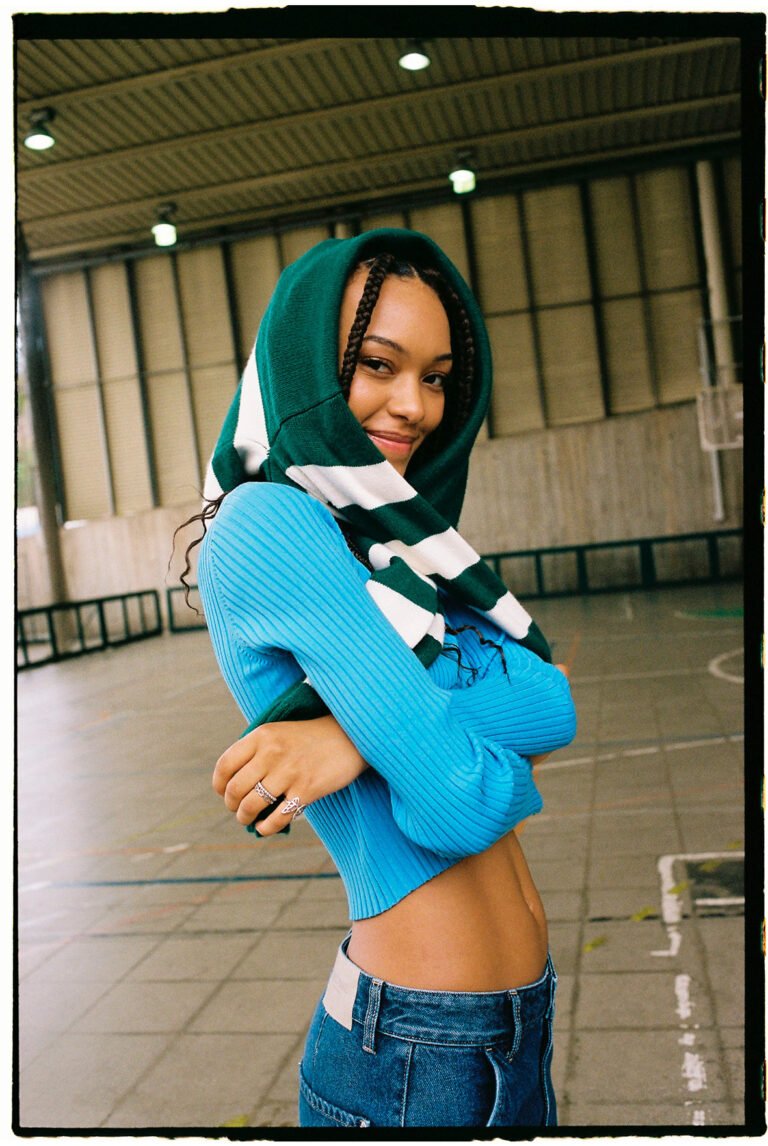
[164, 229]
[39, 137]
[414, 58]
[462, 176]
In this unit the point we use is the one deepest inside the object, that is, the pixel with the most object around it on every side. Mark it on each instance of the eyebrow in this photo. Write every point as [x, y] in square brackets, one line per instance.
[396, 346]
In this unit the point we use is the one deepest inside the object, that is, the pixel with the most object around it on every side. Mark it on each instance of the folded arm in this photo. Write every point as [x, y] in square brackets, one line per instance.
[288, 582]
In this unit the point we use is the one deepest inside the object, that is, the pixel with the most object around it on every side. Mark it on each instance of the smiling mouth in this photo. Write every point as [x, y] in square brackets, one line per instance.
[392, 444]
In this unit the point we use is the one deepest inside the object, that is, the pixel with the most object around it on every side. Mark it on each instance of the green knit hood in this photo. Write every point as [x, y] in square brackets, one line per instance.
[307, 419]
[289, 422]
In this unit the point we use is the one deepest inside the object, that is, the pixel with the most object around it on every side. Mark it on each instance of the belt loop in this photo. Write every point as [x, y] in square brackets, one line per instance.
[517, 1025]
[372, 1015]
[552, 987]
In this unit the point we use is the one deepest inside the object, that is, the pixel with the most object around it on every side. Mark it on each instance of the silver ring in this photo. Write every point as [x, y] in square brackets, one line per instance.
[293, 808]
[265, 794]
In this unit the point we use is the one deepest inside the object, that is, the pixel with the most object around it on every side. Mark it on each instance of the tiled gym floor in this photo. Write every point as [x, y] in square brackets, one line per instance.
[169, 964]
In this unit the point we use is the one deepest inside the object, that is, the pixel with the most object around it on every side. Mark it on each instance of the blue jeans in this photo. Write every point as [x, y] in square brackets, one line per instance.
[393, 1056]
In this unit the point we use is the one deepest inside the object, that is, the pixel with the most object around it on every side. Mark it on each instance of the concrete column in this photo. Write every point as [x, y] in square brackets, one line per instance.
[32, 334]
[722, 340]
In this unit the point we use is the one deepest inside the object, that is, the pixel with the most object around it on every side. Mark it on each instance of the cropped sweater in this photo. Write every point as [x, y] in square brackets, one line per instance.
[447, 746]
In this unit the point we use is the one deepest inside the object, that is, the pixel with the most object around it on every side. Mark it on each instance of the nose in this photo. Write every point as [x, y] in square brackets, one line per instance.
[405, 399]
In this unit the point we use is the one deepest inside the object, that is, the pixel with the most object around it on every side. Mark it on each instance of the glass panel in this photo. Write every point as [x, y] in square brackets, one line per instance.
[78, 417]
[516, 397]
[570, 364]
[127, 445]
[158, 317]
[178, 470]
[207, 323]
[498, 248]
[445, 225]
[255, 270]
[626, 348]
[122, 398]
[296, 242]
[666, 221]
[618, 270]
[67, 327]
[557, 247]
[675, 324]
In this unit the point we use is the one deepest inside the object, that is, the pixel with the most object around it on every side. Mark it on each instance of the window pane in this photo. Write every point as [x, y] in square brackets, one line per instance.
[571, 366]
[255, 270]
[618, 270]
[666, 222]
[445, 225]
[296, 242]
[127, 445]
[204, 304]
[500, 268]
[81, 443]
[122, 398]
[675, 321]
[390, 219]
[556, 243]
[158, 318]
[516, 398]
[178, 470]
[626, 349]
[67, 327]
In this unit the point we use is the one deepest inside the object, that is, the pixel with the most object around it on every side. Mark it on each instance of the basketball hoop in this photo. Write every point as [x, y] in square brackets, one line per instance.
[720, 411]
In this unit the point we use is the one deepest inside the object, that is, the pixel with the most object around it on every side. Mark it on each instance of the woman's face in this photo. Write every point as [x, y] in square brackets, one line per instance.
[398, 388]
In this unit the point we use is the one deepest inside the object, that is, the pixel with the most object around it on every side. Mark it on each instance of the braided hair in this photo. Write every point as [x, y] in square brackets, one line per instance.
[460, 386]
[459, 389]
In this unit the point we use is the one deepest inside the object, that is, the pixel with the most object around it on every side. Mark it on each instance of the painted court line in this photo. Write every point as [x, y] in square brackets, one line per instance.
[647, 750]
[188, 879]
[693, 1068]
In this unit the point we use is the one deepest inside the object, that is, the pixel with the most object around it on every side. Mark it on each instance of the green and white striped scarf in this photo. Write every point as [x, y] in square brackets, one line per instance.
[290, 423]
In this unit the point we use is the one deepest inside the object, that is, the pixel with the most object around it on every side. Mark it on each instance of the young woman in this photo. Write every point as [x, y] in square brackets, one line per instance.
[397, 690]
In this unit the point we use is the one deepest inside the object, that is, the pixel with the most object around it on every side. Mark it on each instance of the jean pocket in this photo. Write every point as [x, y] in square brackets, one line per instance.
[317, 1111]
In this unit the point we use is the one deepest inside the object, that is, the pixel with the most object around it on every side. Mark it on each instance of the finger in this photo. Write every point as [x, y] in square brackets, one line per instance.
[254, 801]
[235, 757]
[244, 784]
[286, 811]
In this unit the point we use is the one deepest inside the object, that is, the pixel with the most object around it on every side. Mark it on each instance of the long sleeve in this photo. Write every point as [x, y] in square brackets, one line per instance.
[286, 582]
[517, 700]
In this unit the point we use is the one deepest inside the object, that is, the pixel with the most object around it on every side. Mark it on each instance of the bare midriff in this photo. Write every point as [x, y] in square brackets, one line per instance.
[478, 926]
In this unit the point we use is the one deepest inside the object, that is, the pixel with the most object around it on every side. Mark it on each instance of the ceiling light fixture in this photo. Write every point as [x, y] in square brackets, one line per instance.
[39, 137]
[414, 58]
[462, 176]
[164, 229]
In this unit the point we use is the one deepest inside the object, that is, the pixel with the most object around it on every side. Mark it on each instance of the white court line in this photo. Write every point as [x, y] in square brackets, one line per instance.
[714, 667]
[729, 901]
[650, 674]
[693, 1067]
[645, 751]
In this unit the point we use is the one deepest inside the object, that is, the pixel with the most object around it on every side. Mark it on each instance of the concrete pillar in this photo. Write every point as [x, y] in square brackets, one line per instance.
[722, 340]
[32, 334]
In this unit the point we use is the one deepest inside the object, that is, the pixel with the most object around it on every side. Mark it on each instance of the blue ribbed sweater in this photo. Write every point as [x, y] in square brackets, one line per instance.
[284, 598]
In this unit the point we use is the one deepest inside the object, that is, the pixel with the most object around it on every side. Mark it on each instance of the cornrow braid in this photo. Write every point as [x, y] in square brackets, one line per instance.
[462, 340]
[380, 266]
[461, 329]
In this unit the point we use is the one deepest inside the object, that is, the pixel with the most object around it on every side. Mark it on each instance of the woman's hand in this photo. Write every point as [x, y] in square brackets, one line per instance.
[301, 759]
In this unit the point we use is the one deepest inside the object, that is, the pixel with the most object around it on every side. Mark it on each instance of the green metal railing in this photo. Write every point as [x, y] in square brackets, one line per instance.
[57, 632]
[567, 570]
[611, 566]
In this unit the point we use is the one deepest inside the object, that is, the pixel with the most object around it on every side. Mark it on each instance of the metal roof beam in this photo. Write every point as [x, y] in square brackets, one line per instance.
[395, 192]
[361, 107]
[186, 197]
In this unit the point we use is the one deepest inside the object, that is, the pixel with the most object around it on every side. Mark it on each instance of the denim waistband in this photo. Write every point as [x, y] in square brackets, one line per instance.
[450, 1017]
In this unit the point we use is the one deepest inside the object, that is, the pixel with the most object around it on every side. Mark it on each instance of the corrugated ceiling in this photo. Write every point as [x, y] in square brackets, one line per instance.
[238, 131]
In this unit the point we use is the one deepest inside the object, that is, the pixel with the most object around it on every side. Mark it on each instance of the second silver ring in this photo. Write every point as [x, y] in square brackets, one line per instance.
[265, 794]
